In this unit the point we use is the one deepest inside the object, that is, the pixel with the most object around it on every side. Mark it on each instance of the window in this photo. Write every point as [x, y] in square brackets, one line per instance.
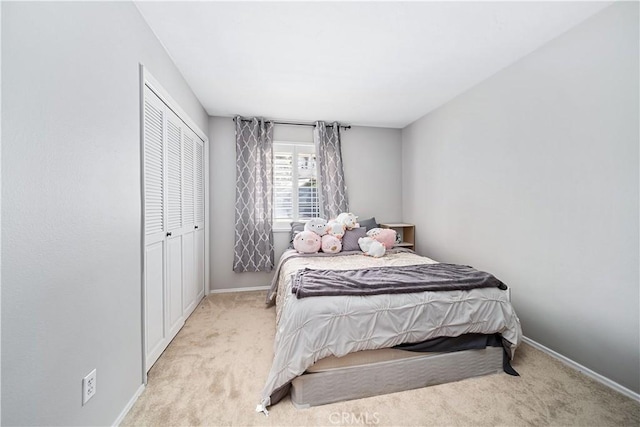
[295, 191]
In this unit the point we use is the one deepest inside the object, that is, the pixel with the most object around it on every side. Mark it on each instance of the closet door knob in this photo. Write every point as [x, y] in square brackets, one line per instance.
[168, 233]
[196, 226]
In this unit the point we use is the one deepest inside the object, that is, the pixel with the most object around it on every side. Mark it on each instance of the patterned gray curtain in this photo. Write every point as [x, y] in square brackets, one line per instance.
[333, 191]
[253, 250]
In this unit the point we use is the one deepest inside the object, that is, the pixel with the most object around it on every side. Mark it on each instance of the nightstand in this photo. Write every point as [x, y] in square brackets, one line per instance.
[406, 232]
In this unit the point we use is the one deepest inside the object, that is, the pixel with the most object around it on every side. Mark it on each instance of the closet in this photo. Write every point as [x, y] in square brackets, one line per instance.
[174, 222]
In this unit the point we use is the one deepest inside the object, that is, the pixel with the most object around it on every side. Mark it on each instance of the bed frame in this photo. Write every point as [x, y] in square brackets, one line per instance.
[375, 372]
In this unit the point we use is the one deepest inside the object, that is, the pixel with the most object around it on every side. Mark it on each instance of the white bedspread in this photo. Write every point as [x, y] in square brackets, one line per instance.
[310, 329]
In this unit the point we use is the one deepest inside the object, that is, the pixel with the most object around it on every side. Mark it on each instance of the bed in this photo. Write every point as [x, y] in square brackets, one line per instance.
[354, 343]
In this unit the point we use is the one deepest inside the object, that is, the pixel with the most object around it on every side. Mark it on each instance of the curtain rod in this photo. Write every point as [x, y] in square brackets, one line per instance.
[277, 122]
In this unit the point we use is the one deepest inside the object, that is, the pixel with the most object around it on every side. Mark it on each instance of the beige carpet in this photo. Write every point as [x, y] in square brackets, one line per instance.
[215, 368]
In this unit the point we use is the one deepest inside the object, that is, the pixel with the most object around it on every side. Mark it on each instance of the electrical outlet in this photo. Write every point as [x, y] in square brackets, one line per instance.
[88, 387]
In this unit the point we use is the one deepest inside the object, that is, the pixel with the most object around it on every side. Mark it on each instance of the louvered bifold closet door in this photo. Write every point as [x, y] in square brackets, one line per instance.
[189, 291]
[199, 174]
[175, 223]
[154, 164]
[173, 218]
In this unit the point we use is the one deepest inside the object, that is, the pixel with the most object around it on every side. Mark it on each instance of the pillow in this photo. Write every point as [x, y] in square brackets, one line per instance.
[296, 227]
[369, 223]
[350, 239]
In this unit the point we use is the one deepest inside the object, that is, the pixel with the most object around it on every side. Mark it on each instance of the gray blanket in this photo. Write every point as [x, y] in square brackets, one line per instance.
[391, 280]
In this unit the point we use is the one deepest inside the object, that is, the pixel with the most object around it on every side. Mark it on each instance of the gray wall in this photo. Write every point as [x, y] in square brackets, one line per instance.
[0, 221]
[533, 175]
[71, 206]
[372, 159]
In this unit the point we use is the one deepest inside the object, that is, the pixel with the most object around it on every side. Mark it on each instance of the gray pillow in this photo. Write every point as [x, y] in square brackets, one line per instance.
[350, 239]
[296, 227]
[369, 223]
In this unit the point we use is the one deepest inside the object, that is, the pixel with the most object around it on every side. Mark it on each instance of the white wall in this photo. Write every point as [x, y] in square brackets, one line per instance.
[372, 159]
[71, 220]
[533, 175]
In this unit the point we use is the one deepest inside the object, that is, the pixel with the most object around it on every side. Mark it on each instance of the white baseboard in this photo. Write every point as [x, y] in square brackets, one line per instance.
[588, 372]
[226, 291]
[127, 408]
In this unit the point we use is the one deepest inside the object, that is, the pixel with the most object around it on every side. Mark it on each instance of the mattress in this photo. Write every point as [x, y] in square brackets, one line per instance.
[374, 372]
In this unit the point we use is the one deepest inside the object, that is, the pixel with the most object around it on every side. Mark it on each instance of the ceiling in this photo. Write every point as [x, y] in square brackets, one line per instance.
[380, 64]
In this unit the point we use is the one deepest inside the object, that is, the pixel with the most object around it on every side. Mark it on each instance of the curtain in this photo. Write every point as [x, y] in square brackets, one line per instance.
[253, 249]
[333, 191]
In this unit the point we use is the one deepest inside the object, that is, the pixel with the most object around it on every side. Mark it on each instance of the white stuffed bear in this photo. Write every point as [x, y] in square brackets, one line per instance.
[371, 247]
[307, 242]
[349, 220]
[317, 225]
[335, 228]
[331, 244]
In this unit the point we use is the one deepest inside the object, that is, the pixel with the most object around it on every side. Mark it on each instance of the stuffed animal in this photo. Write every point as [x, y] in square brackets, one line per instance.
[317, 225]
[331, 244]
[371, 247]
[386, 236]
[307, 242]
[335, 228]
[349, 220]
